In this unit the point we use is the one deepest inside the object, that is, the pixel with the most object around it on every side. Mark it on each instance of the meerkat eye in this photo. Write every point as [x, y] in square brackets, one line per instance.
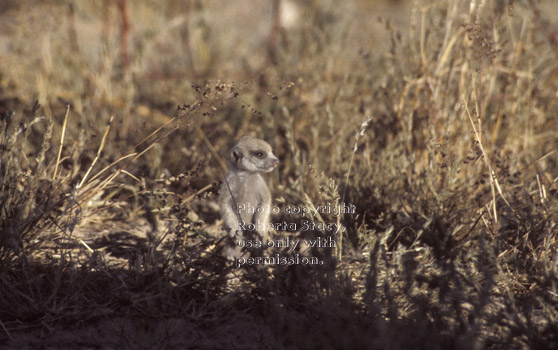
[259, 154]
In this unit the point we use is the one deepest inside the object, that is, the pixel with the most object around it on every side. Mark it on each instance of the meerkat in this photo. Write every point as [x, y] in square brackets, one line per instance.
[244, 198]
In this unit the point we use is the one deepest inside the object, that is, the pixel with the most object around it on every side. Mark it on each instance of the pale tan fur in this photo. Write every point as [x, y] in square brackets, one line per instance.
[244, 197]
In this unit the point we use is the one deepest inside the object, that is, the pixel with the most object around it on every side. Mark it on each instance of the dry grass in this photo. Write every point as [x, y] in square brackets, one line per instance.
[441, 132]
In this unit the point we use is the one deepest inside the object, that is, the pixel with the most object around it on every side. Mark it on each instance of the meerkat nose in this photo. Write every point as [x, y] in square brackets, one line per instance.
[275, 161]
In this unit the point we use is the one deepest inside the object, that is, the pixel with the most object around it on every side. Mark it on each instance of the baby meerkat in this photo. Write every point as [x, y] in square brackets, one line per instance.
[244, 198]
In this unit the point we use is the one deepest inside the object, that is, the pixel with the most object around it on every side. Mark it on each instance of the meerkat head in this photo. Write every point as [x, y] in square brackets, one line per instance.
[252, 155]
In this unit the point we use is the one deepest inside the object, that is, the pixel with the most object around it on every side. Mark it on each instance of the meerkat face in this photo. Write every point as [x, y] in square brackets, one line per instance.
[253, 155]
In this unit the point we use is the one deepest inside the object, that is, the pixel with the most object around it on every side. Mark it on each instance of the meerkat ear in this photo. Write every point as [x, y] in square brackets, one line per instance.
[236, 156]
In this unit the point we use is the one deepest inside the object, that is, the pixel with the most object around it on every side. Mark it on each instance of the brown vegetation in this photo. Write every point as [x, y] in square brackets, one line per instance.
[441, 132]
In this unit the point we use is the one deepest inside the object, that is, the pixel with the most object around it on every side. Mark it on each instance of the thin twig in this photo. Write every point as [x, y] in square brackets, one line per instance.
[98, 154]
[61, 142]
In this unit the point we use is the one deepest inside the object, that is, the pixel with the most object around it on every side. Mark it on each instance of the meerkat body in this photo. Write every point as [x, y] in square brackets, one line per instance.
[244, 198]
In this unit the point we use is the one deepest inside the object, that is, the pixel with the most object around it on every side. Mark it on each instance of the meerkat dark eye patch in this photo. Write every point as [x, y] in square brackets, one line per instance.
[259, 154]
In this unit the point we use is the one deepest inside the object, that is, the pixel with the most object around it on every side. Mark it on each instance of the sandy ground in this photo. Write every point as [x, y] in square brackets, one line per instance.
[125, 333]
